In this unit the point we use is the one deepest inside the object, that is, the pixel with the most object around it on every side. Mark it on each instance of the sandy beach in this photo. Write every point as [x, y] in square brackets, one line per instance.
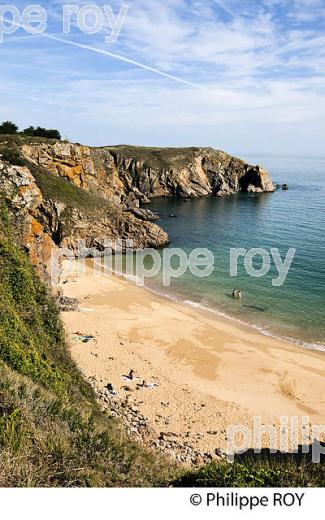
[204, 372]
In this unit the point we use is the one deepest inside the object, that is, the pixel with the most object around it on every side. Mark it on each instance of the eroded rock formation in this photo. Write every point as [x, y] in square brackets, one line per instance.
[145, 173]
[61, 193]
[45, 223]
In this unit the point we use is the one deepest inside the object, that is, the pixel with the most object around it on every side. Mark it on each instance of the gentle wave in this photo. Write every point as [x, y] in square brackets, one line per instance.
[217, 312]
[213, 310]
[262, 330]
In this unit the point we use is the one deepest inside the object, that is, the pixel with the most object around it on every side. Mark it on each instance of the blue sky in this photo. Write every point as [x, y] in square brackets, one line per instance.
[241, 75]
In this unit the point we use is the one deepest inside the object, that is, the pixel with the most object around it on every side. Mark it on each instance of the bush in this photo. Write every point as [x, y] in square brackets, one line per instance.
[8, 127]
[42, 132]
[10, 153]
[258, 470]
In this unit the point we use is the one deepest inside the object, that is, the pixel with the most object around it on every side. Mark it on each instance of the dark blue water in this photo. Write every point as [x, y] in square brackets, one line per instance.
[283, 220]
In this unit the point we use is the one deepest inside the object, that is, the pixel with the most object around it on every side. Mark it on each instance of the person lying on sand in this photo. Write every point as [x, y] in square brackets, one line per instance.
[130, 376]
[111, 389]
[144, 385]
[85, 338]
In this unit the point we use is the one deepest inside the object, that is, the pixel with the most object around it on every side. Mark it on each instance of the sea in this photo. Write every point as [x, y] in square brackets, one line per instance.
[292, 219]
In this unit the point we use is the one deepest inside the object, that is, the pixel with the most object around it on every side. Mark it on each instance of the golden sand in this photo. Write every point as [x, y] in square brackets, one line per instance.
[210, 372]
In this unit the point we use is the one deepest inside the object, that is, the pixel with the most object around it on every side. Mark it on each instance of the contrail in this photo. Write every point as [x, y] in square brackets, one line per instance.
[111, 55]
[121, 58]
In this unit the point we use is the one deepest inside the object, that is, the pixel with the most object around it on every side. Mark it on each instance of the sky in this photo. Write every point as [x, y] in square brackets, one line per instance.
[239, 75]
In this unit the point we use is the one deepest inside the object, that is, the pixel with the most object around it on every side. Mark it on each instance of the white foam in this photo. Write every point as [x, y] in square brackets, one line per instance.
[262, 330]
[199, 305]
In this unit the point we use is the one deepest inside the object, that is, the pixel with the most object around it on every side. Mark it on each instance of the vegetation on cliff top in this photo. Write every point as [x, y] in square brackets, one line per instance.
[161, 158]
[258, 470]
[10, 128]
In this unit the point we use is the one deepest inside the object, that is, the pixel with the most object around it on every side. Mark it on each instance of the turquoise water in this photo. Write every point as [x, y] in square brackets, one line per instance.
[283, 220]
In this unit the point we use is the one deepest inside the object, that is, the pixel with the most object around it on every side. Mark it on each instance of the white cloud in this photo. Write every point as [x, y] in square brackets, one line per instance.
[262, 74]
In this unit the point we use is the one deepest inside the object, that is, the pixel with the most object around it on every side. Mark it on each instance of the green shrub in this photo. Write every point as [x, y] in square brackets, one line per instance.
[42, 132]
[11, 154]
[279, 470]
[8, 127]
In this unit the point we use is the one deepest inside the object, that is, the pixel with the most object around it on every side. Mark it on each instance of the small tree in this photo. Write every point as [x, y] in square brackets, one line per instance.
[53, 134]
[42, 132]
[8, 127]
[29, 131]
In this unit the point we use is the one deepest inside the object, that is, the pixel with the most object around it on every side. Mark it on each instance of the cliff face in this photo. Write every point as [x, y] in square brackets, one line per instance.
[20, 190]
[121, 171]
[61, 193]
[50, 212]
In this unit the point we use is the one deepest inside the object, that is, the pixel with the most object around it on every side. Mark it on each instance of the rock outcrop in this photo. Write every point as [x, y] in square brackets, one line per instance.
[48, 216]
[63, 193]
[23, 196]
[131, 174]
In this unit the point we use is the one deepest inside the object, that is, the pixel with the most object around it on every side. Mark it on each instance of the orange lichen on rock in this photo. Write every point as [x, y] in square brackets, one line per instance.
[39, 245]
[72, 173]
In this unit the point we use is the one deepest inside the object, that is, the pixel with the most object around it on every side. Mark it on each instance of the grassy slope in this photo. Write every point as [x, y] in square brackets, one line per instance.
[265, 470]
[160, 158]
[52, 432]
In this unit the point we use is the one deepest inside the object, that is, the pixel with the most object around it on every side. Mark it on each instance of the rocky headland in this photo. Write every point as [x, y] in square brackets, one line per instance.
[61, 192]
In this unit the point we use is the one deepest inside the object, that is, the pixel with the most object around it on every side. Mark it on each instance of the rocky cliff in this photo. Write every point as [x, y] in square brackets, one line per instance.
[120, 171]
[61, 192]
[50, 212]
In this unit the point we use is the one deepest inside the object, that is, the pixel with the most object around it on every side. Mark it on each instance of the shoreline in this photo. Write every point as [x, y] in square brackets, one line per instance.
[218, 314]
[300, 343]
[211, 371]
[214, 311]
